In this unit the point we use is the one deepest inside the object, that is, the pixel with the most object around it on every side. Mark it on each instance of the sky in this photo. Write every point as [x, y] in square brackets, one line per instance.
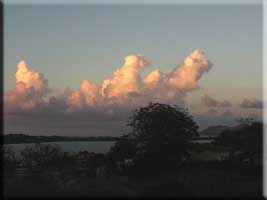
[67, 69]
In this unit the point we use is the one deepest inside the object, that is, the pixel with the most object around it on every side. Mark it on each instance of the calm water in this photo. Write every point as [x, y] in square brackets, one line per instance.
[71, 147]
[202, 141]
[75, 147]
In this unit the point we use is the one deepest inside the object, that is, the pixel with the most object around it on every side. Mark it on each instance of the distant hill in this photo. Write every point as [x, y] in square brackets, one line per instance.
[214, 130]
[23, 138]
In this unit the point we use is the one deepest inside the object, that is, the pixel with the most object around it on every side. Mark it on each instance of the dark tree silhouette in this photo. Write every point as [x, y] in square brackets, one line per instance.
[162, 133]
[44, 155]
[122, 149]
[247, 139]
[9, 159]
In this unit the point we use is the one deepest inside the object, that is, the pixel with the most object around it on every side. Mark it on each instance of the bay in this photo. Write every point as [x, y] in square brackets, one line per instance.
[70, 147]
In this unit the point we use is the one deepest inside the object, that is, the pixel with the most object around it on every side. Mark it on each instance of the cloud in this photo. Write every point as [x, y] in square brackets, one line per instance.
[210, 102]
[153, 79]
[110, 100]
[126, 87]
[29, 92]
[214, 117]
[126, 80]
[227, 117]
[251, 103]
[185, 77]
[31, 78]
[173, 86]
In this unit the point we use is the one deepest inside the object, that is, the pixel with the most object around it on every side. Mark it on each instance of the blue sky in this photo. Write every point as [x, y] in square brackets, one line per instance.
[69, 44]
[90, 41]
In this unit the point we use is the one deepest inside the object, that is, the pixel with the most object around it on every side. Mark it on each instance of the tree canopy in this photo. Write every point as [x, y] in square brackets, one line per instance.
[122, 149]
[247, 138]
[44, 155]
[162, 133]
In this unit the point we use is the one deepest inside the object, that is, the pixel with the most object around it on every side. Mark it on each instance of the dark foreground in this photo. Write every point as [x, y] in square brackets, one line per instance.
[230, 166]
[191, 180]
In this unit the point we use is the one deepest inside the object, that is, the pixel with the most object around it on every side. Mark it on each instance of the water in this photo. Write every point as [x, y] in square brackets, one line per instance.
[70, 147]
[75, 147]
[201, 141]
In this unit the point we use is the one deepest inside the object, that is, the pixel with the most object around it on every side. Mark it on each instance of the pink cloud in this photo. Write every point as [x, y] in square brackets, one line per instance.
[125, 88]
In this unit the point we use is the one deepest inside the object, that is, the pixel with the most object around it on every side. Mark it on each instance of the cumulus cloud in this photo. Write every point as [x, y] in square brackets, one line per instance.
[210, 102]
[126, 80]
[173, 86]
[29, 92]
[185, 77]
[125, 88]
[251, 103]
[31, 78]
[153, 79]
[102, 108]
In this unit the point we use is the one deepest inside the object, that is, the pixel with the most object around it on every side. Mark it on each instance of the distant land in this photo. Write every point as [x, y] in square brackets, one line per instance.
[23, 138]
[214, 130]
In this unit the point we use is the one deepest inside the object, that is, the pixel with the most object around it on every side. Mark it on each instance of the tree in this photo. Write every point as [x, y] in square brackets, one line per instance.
[43, 155]
[247, 139]
[161, 133]
[9, 159]
[122, 149]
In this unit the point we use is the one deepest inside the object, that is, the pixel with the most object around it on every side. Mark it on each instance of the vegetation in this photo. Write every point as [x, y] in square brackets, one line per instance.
[123, 149]
[45, 156]
[152, 160]
[161, 133]
[244, 142]
[10, 160]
